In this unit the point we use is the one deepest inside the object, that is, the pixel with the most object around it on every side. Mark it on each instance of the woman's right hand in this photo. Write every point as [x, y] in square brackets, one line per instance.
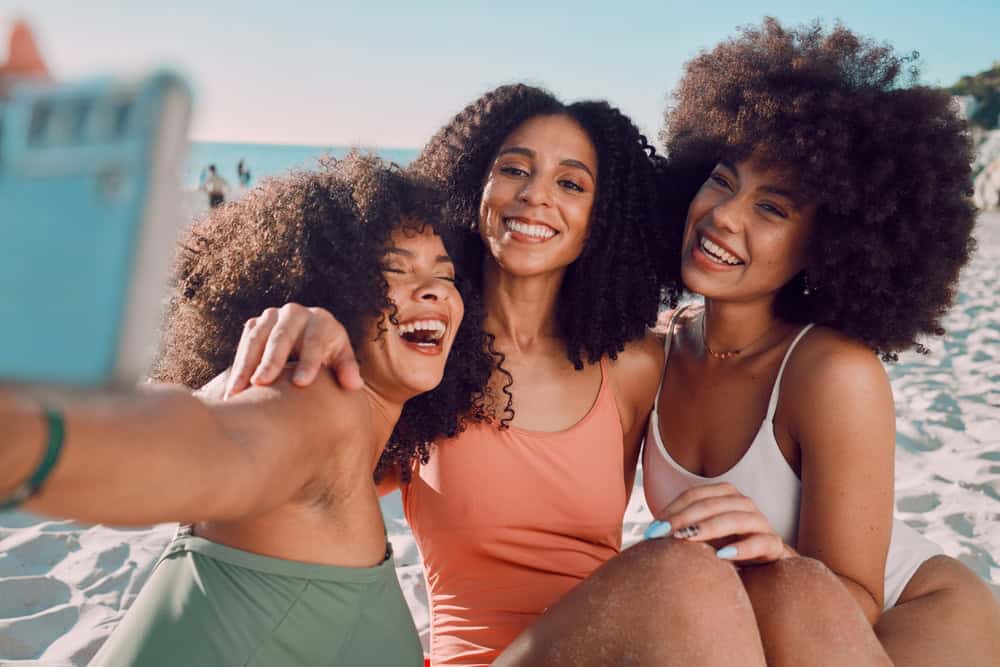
[312, 334]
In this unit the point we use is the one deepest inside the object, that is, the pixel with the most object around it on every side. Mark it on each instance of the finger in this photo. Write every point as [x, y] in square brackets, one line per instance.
[723, 525]
[696, 493]
[251, 347]
[346, 368]
[282, 341]
[754, 549]
[700, 510]
[239, 373]
[323, 342]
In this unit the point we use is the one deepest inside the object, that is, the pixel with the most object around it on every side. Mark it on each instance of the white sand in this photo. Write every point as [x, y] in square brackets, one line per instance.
[64, 586]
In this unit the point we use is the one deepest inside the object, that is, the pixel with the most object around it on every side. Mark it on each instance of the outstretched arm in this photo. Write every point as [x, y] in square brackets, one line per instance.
[163, 455]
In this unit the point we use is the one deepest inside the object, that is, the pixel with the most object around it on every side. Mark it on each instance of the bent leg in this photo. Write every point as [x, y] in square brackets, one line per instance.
[661, 602]
[807, 617]
[946, 616]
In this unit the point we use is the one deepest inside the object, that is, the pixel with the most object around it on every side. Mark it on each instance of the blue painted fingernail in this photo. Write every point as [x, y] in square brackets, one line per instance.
[726, 552]
[656, 530]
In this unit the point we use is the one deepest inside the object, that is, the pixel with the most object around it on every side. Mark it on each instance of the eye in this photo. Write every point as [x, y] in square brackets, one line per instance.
[450, 279]
[720, 180]
[391, 269]
[513, 171]
[571, 185]
[772, 209]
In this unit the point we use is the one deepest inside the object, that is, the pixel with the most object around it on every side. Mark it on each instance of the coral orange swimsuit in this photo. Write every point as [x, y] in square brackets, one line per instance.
[508, 521]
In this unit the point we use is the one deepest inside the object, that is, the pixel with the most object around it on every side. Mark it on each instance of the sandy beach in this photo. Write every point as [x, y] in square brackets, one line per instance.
[64, 586]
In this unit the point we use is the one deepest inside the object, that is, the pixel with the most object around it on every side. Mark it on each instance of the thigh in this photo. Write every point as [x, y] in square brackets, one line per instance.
[661, 602]
[946, 616]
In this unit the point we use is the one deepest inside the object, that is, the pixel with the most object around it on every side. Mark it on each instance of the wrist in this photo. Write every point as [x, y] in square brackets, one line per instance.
[23, 444]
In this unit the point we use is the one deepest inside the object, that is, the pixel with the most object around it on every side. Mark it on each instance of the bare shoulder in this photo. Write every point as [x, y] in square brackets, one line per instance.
[830, 370]
[640, 358]
[322, 409]
[636, 372]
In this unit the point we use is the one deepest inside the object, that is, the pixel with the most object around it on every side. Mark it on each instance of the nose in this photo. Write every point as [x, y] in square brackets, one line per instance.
[727, 215]
[432, 289]
[534, 193]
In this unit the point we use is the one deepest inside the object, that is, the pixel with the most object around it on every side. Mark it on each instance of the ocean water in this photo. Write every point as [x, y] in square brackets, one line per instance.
[267, 159]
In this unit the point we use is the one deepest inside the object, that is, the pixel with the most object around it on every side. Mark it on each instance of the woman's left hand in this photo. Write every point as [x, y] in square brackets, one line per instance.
[720, 514]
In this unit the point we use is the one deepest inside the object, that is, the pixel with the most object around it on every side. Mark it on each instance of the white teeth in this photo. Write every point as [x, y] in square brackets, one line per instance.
[718, 252]
[537, 231]
[436, 327]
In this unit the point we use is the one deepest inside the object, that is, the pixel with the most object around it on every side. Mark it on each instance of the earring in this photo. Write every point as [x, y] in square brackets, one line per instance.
[805, 285]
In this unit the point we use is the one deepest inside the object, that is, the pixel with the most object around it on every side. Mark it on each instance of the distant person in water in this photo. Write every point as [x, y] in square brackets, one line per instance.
[216, 187]
[242, 173]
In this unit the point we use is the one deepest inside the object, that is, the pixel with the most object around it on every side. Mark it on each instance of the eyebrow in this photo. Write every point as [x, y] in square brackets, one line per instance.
[440, 259]
[774, 190]
[568, 162]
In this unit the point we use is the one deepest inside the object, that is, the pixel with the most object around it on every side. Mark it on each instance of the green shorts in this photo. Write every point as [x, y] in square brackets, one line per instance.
[209, 604]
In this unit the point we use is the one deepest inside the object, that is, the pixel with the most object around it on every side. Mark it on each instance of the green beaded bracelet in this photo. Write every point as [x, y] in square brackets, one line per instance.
[53, 448]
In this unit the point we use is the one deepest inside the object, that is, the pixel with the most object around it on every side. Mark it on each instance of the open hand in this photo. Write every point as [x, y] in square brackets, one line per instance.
[313, 334]
[720, 514]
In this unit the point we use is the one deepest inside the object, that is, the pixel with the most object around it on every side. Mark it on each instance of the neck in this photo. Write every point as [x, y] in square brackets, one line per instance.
[385, 414]
[730, 326]
[521, 309]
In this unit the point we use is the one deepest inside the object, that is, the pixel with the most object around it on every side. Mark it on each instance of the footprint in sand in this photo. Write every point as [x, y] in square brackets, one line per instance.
[26, 638]
[36, 555]
[24, 596]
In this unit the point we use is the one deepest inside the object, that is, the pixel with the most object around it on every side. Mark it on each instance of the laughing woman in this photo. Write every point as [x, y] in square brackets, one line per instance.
[829, 230]
[285, 559]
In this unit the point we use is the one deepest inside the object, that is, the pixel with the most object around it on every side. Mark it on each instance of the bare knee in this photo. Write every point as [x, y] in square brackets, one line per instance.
[953, 589]
[687, 580]
[807, 616]
[799, 592]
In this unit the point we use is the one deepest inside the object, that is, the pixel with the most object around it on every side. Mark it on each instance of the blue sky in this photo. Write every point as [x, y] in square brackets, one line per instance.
[389, 73]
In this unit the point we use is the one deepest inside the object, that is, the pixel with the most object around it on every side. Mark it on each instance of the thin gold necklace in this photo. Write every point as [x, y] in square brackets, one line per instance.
[729, 354]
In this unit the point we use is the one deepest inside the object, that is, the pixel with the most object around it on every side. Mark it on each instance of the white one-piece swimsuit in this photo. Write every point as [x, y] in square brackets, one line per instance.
[764, 475]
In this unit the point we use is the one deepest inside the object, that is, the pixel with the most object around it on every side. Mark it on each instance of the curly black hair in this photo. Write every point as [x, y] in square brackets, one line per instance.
[306, 237]
[885, 160]
[612, 293]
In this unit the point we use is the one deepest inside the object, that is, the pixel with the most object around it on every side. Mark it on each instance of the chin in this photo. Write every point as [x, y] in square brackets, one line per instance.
[422, 383]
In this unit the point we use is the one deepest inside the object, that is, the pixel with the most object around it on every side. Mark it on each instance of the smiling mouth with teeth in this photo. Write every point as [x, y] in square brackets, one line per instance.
[541, 232]
[717, 252]
[423, 333]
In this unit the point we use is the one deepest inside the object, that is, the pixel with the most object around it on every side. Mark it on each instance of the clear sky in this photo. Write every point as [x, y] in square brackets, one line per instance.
[389, 73]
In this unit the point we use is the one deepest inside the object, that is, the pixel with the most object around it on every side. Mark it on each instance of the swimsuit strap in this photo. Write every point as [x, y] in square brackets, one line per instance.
[772, 404]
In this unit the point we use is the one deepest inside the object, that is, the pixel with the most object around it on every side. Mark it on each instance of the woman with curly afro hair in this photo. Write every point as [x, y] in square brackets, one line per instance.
[283, 559]
[561, 201]
[828, 231]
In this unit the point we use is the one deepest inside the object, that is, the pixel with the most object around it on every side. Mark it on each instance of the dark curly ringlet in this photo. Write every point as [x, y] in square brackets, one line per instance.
[886, 161]
[613, 291]
[318, 238]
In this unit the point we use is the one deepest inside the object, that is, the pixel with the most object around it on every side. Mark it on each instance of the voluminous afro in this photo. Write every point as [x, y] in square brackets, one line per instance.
[886, 161]
[318, 238]
[612, 293]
